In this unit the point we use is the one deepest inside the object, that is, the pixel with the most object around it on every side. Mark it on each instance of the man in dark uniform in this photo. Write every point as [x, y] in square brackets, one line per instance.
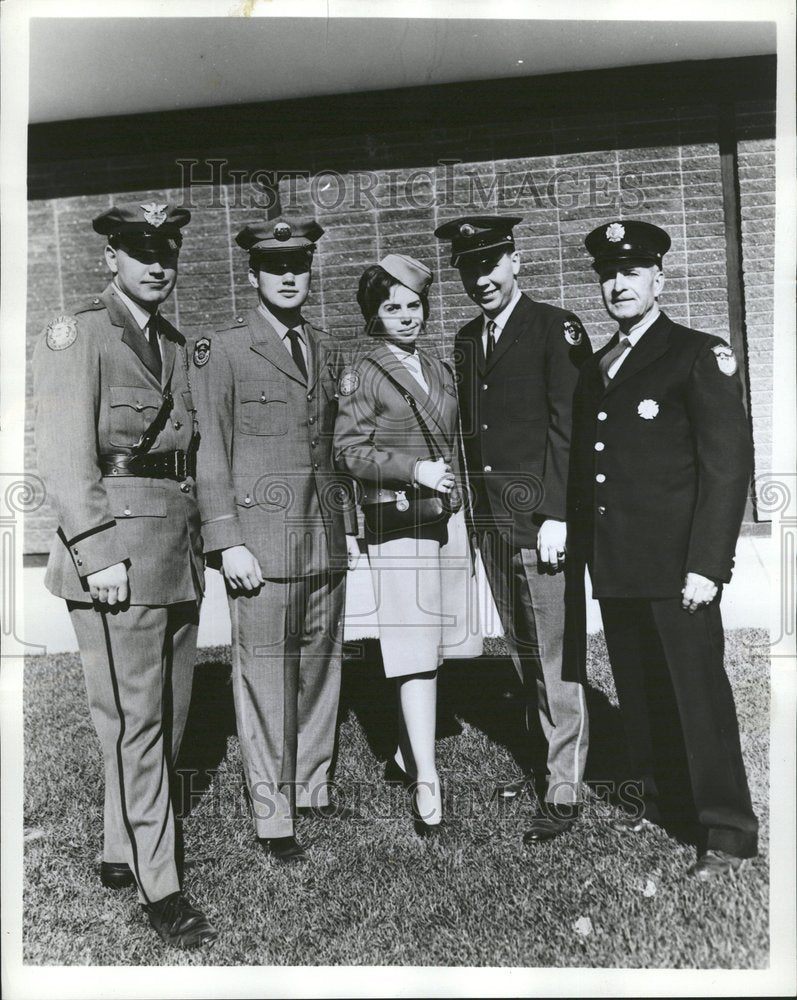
[517, 365]
[662, 459]
[277, 514]
[115, 428]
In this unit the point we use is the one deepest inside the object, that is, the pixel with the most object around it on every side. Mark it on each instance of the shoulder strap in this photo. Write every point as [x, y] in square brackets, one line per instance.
[147, 439]
[413, 405]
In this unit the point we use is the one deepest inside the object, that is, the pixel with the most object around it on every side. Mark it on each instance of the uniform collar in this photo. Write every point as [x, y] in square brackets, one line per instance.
[139, 313]
[278, 325]
[635, 334]
[503, 317]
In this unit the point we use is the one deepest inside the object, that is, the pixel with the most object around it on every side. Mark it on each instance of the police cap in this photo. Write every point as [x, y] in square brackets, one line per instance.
[627, 242]
[143, 225]
[472, 233]
[286, 232]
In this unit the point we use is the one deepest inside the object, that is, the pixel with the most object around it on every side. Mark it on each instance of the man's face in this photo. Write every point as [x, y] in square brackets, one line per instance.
[490, 278]
[147, 276]
[282, 280]
[629, 293]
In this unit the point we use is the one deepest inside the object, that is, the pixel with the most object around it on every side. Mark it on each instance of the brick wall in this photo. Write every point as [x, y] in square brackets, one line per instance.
[377, 189]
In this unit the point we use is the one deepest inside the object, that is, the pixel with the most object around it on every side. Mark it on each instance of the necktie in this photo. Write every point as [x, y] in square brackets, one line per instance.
[491, 326]
[152, 338]
[296, 351]
[611, 356]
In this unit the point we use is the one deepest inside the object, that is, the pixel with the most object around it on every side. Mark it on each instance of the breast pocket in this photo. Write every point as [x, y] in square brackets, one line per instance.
[262, 407]
[132, 410]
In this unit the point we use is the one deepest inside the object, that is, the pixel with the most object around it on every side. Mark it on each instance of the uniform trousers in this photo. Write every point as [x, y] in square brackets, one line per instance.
[532, 605]
[287, 644]
[138, 664]
[679, 715]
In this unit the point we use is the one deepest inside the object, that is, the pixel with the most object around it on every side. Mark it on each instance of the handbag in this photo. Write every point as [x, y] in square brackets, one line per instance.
[396, 512]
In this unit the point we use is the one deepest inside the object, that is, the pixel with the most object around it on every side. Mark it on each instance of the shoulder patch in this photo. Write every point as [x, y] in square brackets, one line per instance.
[61, 333]
[349, 382]
[574, 331]
[202, 352]
[726, 362]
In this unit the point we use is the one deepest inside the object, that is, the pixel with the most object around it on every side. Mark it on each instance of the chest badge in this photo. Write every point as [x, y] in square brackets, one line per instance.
[349, 382]
[61, 333]
[573, 332]
[648, 409]
[202, 352]
[726, 362]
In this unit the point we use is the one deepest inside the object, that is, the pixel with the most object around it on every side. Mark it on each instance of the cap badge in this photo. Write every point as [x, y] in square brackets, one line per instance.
[615, 232]
[282, 232]
[61, 333]
[349, 382]
[573, 332]
[466, 229]
[202, 352]
[648, 409]
[154, 214]
[726, 362]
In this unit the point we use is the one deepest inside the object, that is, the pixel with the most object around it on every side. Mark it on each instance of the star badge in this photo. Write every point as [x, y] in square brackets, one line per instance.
[154, 214]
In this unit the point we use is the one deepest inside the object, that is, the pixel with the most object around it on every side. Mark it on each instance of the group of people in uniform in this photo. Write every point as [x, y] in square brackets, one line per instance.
[253, 447]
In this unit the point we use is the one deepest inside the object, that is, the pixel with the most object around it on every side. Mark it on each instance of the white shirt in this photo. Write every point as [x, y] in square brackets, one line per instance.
[412, 363]
[500, 320]
[282, 332]
[634, 337]
[139, 314]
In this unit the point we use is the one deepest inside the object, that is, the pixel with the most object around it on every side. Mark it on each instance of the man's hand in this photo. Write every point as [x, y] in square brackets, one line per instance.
[353, 550]
[109, 585]
[697, 591]
[551, 539]
[240, 568]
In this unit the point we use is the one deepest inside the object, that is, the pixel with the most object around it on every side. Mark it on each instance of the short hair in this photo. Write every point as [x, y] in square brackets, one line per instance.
[373, 290]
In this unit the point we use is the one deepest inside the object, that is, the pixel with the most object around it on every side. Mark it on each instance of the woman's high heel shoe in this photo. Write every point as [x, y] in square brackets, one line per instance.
[422, 828]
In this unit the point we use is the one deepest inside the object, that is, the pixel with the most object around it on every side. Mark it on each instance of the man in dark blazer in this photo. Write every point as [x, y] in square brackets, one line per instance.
[661, 464]
[277, 515]
[517, 365]
[115, 433]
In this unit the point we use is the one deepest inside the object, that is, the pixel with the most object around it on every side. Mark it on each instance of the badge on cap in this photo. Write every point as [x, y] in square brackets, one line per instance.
[349, 382]
[615, 232]
[202, 351]
[466, 229]
[282, 232]
[726, 362]
[648, 409]
[154, 214]
[574, 332]
[61, 333]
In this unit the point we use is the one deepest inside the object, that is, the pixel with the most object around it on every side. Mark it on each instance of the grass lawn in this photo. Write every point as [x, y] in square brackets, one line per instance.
[374, 893]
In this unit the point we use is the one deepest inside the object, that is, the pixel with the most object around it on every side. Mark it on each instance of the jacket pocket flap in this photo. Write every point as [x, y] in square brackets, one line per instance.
[261, 391]
[137, 501]
[135, 397]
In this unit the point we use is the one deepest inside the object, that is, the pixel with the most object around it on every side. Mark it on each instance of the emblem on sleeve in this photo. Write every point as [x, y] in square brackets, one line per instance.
[61, 333]
[573, 332]
[349, 382]
[726, 362]
[615, 232]
[202, 351]
[648, 409]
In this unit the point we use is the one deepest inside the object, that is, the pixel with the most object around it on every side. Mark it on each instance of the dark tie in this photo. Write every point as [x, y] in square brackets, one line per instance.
[490, 341]
[611, 356]
[296, 351]
[152, 338]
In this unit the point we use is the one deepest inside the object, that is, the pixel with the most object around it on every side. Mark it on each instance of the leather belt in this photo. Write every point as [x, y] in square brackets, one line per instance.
[177, 465]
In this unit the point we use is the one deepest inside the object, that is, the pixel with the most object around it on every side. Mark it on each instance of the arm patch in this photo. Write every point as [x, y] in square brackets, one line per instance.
[61, 333]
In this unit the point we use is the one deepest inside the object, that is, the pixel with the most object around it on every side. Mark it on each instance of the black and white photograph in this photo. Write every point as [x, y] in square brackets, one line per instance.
[399, 506]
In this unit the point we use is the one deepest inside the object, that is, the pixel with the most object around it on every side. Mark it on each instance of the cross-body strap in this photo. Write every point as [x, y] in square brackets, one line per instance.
[413, 405]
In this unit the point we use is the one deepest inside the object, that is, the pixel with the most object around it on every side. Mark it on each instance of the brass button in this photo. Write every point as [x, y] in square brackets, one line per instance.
[139, 407]
[239, 319]
[601, 510]
[602, 415]
[311, 420]
[178, 424]
[484, 427]
[315, 465]
[127, 512]
[185, 487]
[262, 397]
[79, 562]
[600, 478]
[488, 468]
[599, 446]
[247, 499]
[484, 385]
[309, 397]
[314, 443]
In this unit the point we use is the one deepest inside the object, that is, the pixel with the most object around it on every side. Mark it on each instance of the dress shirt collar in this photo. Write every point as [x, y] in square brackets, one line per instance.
[503, 317]
[635, 335]
[278, 325]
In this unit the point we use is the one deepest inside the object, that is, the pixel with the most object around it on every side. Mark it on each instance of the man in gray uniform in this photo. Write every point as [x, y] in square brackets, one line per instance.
[278, 514]
[115, 430]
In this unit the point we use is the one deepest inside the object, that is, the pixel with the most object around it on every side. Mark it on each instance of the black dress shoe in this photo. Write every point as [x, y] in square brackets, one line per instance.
[714, 864]
[179, 922]
[288, 850]
[332, 810]
[546, 828]
[116, 875]
[422, 828]
[397, 775]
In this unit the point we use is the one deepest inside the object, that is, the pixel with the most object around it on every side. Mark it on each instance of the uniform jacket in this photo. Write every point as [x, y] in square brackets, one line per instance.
[516, 415]
[377, 438]
[264, 473]
[661, 464]
[97, 396]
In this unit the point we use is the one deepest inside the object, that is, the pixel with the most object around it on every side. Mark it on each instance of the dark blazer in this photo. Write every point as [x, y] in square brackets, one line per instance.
[670, 441]
[95, 397]
[516, 415]
[264, 467]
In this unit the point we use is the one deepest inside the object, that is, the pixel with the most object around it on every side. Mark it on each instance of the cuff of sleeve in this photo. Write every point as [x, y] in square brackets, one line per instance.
[91, 553]
[222, 534]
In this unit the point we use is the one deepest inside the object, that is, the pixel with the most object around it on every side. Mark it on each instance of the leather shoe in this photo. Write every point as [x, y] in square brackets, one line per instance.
[332, 810]
[179, 922]
[116, 875]
[630, 824]
[287, 850]
[546, 828]
[714, 864]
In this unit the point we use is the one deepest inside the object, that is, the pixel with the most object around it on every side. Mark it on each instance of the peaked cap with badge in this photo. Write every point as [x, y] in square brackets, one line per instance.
[627, 242]
[284, 233]
[143, 225]
[478, 233]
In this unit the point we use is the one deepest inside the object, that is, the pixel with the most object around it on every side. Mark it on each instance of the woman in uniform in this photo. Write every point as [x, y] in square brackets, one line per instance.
[396, 433]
